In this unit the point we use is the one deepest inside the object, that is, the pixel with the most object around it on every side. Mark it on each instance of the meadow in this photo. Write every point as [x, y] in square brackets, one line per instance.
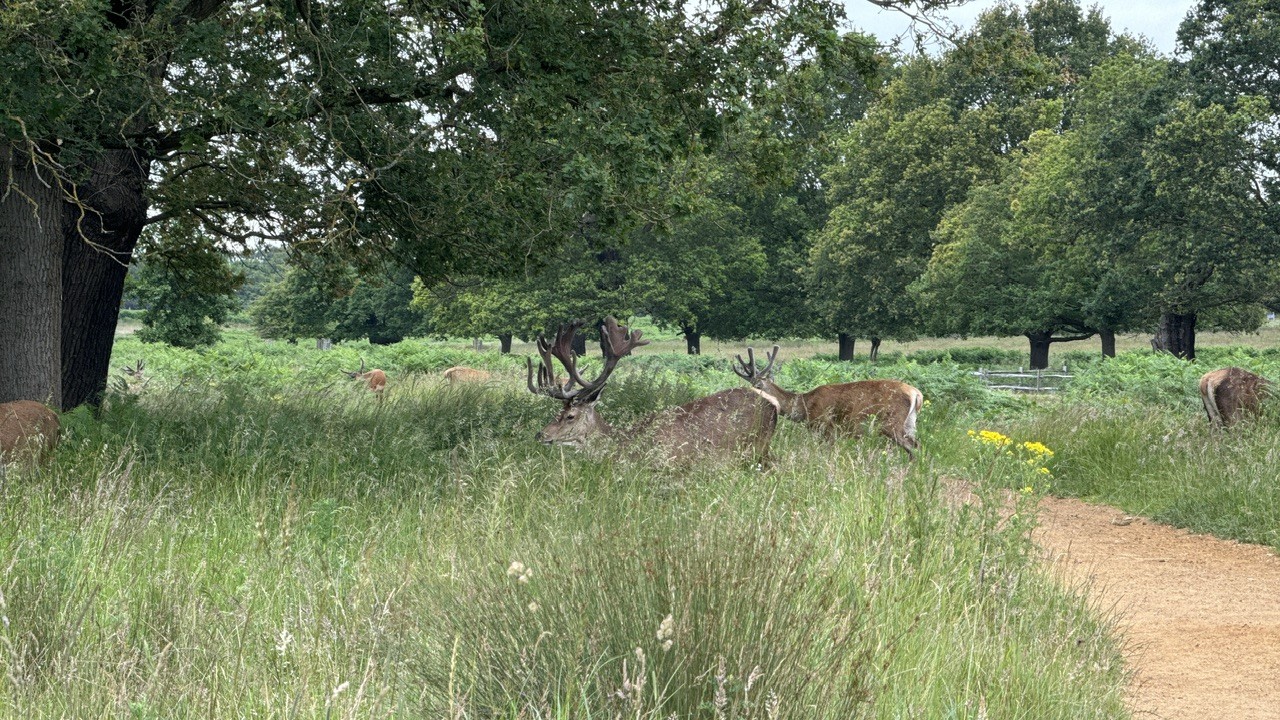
[252, 535]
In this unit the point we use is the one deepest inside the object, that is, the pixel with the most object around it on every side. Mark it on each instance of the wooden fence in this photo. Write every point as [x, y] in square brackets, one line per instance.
[1030, 381]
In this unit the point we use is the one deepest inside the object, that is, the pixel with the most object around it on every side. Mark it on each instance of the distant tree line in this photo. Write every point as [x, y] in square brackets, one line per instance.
[742, 171]
[1044, 177]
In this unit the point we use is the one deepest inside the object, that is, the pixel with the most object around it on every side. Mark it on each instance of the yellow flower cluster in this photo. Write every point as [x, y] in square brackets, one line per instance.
[1030, 453]
[1037, 448]
[991, 437]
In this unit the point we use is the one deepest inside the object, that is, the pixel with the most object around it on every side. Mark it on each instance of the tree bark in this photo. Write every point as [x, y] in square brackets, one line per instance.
[875, 349]
[692, 341]
[579, 343]
[1040, 342]
[846, 346]
[1176, 335]
[1108, 343]
[504, 344]
[30, 281]
[98, 243]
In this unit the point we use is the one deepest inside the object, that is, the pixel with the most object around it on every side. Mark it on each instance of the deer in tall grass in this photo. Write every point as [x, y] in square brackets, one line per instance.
[136, 378]
[843, 408]
[375, 379]
[731, 422]
[462, 374]
[1228, 394]
[28, 430]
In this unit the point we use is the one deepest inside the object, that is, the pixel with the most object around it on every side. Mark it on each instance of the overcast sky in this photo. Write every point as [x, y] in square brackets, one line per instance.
[1156, 19]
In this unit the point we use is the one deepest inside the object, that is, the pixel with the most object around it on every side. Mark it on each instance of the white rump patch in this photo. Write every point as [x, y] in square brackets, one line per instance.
[917, 402]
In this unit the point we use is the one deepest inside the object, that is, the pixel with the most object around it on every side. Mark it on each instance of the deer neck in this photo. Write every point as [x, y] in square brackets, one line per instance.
[789, 403]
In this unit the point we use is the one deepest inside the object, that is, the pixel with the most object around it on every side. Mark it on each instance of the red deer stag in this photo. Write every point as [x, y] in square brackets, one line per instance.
[376, 379]
[26, 428]
[843, 408]
[1231, 392]
[730, 422]
[465, 374]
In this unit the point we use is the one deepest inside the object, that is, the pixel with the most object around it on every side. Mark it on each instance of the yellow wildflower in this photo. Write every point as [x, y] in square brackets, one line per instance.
[1037, 448]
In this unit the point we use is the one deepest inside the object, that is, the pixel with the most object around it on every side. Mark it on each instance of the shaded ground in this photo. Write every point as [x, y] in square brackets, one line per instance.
[1201, 616]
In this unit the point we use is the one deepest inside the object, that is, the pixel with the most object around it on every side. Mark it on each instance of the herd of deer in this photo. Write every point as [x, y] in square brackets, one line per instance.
[737, 421]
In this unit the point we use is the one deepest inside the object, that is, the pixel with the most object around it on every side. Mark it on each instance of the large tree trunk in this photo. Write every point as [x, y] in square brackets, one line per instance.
[30, 281]
[875, 349]
[692, 341]
[1176, 335]
[504, 344]
[579, 343]
[1108, 343]
[1040, 342]
[99, 240]
[846, 346]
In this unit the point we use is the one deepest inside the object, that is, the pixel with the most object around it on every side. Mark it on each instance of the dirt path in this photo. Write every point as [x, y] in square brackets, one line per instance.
[1201, 616]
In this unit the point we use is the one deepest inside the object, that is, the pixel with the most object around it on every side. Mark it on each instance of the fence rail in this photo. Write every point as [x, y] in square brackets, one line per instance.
[1022, 380]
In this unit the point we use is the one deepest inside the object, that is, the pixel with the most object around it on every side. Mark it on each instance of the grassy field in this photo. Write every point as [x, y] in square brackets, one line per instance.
[251, 536]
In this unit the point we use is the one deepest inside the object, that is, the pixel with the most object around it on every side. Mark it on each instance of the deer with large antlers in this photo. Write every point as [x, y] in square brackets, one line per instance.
[843, 408]
[730, 422]
[1228, 394]
[27, 429]
[375, 379]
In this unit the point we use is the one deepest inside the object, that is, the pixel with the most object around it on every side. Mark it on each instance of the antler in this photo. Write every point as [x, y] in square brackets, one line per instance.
[616, 342]
[747, 370]
[562, 348]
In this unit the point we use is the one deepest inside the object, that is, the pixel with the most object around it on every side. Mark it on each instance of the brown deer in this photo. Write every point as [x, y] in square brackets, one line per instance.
[1231, 392]
[844, 408]
[376, 379]
[462, 373]
[27, 428]
[729, 422]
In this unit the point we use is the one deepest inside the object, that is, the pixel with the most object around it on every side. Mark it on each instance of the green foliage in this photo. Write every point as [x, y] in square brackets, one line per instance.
[295, 307]
[378, 308]
[941, 127]
[969, 356]
[187, 290]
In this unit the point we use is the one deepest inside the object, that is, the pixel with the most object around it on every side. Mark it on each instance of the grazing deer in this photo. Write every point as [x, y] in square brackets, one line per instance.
[732, 421]
[1231, 392]
[843, 408]
[26, 428]
[465, 374]
[376, 379]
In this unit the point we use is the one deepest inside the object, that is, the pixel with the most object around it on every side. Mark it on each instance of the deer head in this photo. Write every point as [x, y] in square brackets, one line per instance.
[376, 379]
[134, 371]
[578, 419]
[758, 377]
[136, 380]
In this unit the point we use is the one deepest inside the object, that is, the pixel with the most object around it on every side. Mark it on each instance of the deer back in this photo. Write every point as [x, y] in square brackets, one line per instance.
[1228, 394]
[377, 380]
[461, 373]
[844, 408]
[26, 428]
[730, 422]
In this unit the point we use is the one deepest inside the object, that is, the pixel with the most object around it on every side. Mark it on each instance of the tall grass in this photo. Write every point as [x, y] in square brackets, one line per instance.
[246, 547]
[1168, 464]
